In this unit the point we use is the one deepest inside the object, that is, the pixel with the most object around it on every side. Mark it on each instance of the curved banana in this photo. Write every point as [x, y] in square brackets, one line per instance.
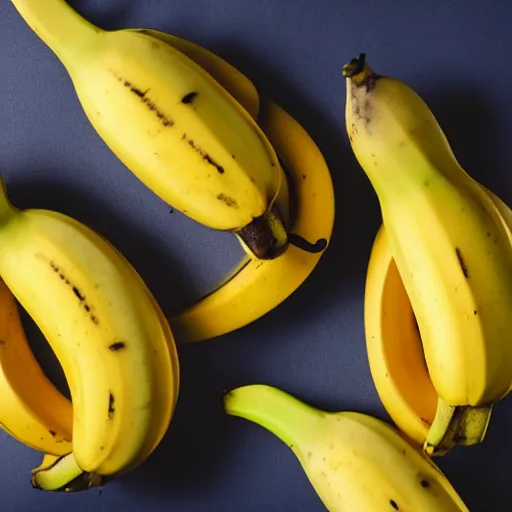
[33, 411]
[260, 286]
[457, 269]
[107, 333]
[171, 123]
[353, 461]
[394, 346]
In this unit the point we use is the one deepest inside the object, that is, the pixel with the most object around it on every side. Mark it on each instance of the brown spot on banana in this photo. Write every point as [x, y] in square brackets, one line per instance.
[462, 263]
[202, 153]
[189, 98]
[117, 345]
[227, 200]
[76, 291]
[143, 95]
[362, 82]
[111, 408]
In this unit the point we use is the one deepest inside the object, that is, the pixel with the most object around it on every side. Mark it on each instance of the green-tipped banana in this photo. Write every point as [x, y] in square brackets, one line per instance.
[355, 462]
[62, 473]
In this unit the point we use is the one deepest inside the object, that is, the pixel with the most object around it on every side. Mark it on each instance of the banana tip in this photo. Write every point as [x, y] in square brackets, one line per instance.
[355, 66]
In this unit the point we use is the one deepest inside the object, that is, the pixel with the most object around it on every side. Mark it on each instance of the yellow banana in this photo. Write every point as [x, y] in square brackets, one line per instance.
[260, 286]
[111, 340]
[33, 411]
[451, 246]
[394, 346]
[255, 287]
[171, 123]
[353, 461]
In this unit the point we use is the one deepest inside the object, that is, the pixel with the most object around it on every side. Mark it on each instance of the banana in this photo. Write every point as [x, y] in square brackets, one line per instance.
[112, 341]
[259, 286]
[33, 411]
[353, 461]
[170, 123]
[394, 346]
[457, 268]
[255, 287]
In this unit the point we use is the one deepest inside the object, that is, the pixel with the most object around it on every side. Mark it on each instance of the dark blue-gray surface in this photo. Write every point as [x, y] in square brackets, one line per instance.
[456, 56]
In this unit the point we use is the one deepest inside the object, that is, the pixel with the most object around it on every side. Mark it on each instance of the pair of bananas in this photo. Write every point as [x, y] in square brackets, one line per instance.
[196, 132]
[439, 283]
[438, 297]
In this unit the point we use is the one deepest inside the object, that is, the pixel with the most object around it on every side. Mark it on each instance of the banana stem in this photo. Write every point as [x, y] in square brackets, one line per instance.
[59, 26]
[291, 420]
[452, 426]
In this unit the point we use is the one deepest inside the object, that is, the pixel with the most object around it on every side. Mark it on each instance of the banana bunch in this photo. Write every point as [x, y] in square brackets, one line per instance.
[353, 461]
[109, 335]
[195, 131]
[439, 283]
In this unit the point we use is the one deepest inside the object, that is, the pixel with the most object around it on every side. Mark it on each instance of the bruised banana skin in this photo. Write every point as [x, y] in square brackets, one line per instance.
[170, 123]
[462, 304]
[33, 411]
[354, 462]
[394, 346]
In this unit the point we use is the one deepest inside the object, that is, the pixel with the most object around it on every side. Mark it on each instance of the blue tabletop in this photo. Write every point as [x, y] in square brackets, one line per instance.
[455, 54]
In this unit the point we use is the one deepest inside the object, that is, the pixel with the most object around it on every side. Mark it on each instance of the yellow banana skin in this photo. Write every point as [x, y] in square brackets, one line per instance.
[353, 461]
[450, 245]
[256, 287]
[63, 473]
[235, 82]
[394, 345]
[260, 286]
[173, 125]
[33, 411]
[103, 328]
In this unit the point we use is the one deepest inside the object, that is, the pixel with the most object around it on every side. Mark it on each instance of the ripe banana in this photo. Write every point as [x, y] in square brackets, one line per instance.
[394, 346]
[457, 268]
[260, 286]
[307, 205]
[33, 411]
[112, 341]
[353, 461]
[171, 123]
